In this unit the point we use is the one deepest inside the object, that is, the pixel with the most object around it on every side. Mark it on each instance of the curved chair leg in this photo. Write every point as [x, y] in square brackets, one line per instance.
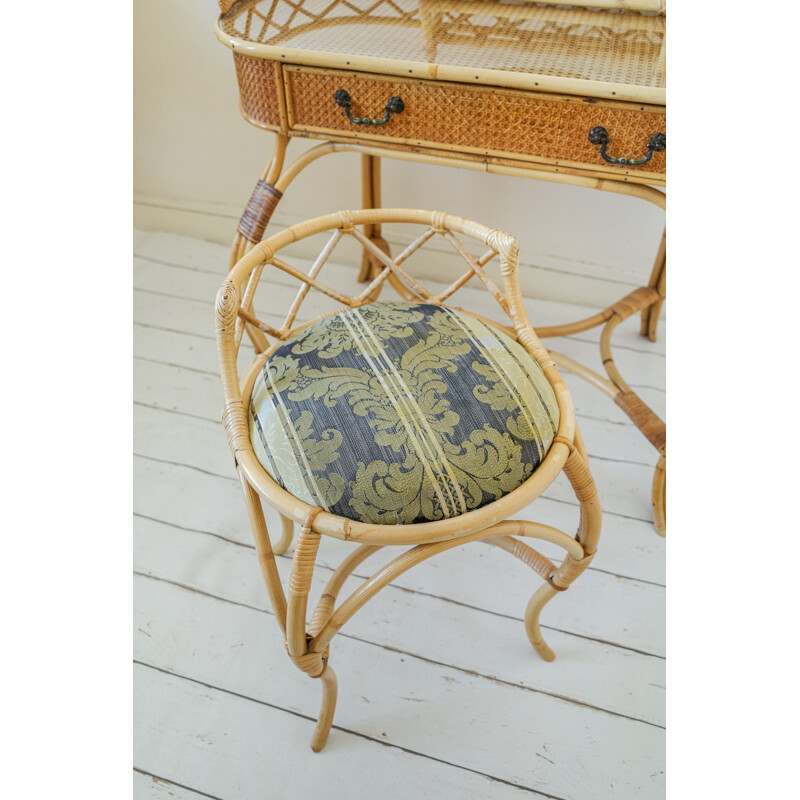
[580, 477]
[651, 314]
[309, 649]
[542, 566]
[534, 608]
[327, 709]
[286, 536]
[298, 637]
[660, 496]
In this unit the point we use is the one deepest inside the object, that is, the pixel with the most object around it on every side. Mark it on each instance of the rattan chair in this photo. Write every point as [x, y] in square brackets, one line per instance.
[409, 423]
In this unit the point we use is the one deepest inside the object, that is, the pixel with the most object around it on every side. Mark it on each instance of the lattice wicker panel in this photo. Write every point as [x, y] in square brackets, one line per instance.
[258, 89]
[390, 271]
[483, 119]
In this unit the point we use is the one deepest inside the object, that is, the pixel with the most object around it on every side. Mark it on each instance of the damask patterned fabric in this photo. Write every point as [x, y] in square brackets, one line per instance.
[401, 412]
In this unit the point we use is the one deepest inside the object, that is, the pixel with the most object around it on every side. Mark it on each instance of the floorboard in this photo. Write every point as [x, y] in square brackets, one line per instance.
[428, 708]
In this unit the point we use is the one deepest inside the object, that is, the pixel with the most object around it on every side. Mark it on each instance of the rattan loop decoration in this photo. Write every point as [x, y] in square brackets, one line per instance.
[227, 306]
[555, 585]
[437, 222]
[564, 441]
[347, 222]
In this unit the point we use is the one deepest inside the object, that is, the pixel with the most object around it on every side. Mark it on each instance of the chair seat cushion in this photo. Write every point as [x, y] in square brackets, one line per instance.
[397, 412]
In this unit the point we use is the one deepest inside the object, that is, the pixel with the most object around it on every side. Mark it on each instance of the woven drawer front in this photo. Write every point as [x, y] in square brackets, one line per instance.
[258, 90]
[479, 119]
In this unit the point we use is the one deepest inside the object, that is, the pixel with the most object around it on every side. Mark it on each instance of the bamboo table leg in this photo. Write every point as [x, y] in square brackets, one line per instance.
[255, 219]
[371, 198]
[655, 312]
[660, 496]
[651, 314]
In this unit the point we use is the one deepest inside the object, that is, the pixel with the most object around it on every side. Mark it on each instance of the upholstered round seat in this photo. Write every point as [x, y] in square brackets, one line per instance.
[398, 412]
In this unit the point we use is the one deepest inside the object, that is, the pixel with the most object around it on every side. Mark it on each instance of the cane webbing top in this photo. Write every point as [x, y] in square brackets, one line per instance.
[503, 43]
[394, 413]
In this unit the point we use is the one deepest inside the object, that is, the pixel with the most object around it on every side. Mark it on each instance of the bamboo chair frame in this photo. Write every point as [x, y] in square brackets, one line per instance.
[308, 640]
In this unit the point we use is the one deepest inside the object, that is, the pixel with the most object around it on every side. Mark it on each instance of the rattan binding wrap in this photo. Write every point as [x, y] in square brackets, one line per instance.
[256, 215]
[646, 420]
[482, 119]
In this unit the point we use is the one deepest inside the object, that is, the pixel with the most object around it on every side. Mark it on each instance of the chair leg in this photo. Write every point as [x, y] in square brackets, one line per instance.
[327, 709]
[286, 536]
[315, 665]
[580, 477]
[535, 605]
[543, 567]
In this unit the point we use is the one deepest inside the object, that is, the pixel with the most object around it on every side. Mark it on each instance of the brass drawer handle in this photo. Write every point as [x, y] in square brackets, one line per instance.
[394, 106]
[656, 143]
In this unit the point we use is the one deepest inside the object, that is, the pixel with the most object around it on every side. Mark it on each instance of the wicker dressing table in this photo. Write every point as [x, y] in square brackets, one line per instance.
[567, 94]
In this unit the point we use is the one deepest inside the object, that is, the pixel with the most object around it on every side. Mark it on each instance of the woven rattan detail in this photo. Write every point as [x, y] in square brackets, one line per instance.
[589, 44]
[654, 429]
[259, 209]
[258, 90]
[483, 120]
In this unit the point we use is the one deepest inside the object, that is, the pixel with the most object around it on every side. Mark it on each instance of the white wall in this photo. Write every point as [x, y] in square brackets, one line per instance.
[196, 160]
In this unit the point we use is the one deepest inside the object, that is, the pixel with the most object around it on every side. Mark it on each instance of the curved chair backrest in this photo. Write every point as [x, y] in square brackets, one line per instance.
[235, 314]
[343, 224]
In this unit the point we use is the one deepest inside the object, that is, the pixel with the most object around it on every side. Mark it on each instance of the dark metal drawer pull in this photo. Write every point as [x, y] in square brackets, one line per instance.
[394, 106]
[656, 143]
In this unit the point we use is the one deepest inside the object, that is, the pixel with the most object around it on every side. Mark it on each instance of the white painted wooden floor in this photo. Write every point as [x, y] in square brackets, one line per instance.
[440, 693]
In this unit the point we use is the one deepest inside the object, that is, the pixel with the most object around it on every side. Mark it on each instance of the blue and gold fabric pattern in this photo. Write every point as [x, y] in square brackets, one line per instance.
[396, 412]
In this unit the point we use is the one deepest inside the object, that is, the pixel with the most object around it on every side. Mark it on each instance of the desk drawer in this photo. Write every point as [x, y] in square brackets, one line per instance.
[477, 120]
